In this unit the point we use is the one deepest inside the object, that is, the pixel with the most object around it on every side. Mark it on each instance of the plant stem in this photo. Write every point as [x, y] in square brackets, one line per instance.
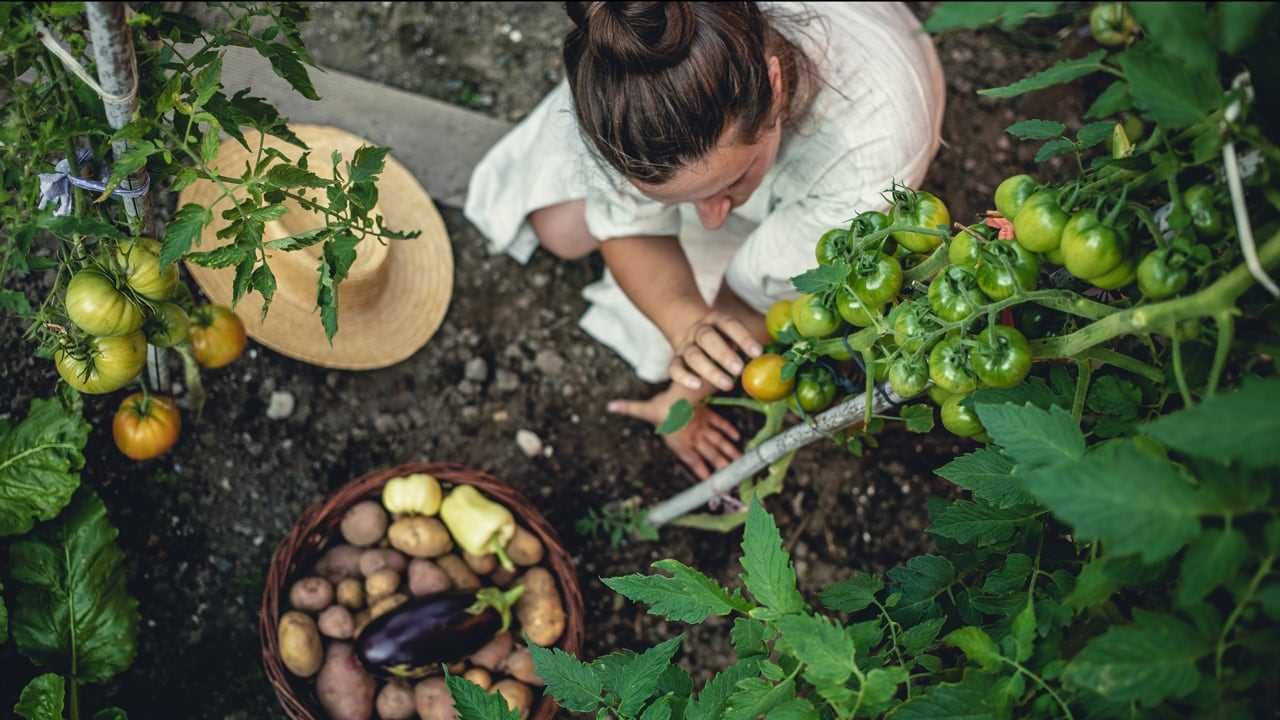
[1178, 374]
[1036, 678]
[1226, 333]
[1263, 570]
[1124, 362]
[73, 698]
[893, 638]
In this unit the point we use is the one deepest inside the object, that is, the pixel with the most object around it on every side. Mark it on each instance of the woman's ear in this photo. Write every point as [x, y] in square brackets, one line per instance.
[775, 82]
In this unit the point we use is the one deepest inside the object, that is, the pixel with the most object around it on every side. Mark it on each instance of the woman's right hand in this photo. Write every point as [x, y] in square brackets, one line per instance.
[708, 351]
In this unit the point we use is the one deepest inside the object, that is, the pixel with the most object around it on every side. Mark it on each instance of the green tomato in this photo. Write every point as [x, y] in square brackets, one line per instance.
[1111, 24]
[1004, 267]
[869, 222]
[908, 330]
[1162, 274]
[1089, 248]
[950, 366]
[1206, 218]
[876, 278]
[920, 209]
[104, 364]
[909, 377]
[1054, 256]
[939, 394]
[832, 246]
[1012, 194]
[954, 294]
[778, 319]
[815, 391]
[1118, 277]
[959, 419]
[854, 311]
[963, 249]
[140, 259]
[168, 327]
[1002, 358]
[95, 305]
[1040, 221]
[812, 318]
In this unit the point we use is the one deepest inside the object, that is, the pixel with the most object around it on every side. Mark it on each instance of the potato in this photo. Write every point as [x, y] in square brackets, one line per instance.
[458, 668]
[518, 696]
[481, 564]
[539, 609]
[381, 584]
[519, 665]
[502, 577]
[480, 677]
[432, 700]
[336, 622]
[525, 548]
[426, 578]
[300, 648]
[345, 689]
[312, 594]
[395, 702]
[494, 653]
[459, 574]
[387, 604]
[371, 561]
[364, 524]
[362, 618]
[341, 561]
[420, 537]
[351, 594]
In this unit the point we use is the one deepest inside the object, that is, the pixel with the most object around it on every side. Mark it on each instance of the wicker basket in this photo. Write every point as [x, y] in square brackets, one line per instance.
[319, 524]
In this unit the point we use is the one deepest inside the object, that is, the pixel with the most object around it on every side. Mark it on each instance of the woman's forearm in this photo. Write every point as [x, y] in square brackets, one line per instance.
[655, 274]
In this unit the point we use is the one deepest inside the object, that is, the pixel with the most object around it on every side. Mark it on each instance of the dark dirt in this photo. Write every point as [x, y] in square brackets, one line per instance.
[199, 525]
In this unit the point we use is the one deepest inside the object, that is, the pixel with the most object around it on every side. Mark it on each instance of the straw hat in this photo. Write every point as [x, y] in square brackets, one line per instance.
[395, 294]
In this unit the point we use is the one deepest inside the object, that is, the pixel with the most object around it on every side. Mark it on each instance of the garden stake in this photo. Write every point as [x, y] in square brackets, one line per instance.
[844, 415]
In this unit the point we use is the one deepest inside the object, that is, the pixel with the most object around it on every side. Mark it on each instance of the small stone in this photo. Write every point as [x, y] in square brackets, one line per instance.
[477, 370]
[416, 417]
[384, 423]
[516, 36]
[281, 405]
[466, 387]
[471, 413]
[530, 444]
[549, 362]
[540, 280]
[506, 381]
[501, 416]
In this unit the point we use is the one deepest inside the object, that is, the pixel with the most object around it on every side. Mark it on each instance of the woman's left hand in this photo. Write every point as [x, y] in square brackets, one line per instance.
[706, 352]
[708, 441]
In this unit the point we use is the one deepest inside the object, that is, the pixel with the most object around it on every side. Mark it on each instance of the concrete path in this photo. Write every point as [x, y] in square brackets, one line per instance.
[439, 143]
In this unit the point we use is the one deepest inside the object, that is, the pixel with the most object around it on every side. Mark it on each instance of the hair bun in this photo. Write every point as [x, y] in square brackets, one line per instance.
[639, 36]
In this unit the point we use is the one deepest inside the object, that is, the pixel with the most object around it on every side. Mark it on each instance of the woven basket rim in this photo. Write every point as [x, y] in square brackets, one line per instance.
[314, 532]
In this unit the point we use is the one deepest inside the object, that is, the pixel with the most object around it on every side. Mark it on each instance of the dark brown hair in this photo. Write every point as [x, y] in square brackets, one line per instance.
[655, 84]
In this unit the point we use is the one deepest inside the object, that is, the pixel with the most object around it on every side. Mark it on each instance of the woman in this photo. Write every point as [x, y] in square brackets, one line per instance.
[703, 148]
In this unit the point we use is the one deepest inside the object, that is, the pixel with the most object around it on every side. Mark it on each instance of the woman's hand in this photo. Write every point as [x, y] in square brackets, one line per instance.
[709, 440]
[708, 351]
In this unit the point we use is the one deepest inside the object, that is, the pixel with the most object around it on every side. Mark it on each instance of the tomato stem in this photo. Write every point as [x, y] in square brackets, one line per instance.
[1178, 374]
[1082, 388]
[1226, 333]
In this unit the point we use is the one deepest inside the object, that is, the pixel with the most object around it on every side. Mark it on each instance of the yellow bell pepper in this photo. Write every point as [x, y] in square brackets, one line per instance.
[479, 525]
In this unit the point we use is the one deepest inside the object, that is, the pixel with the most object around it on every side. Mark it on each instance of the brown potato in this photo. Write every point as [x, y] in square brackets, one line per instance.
[480, 564]
[351, 594]
[300, 647]
[503, 577]
[340, 561]
[345, 689]
[432, 699]
[371, 561]
[525, 548]
[364, 524]
[459, 574]
[381, 584]
[480, 677]
[519, 665]
[395, 702]
[426, 578]
[494, 653]
[336, 622]
[540, 609]
[312, 594]
[419, 536]
[387, 604]
[518, 696]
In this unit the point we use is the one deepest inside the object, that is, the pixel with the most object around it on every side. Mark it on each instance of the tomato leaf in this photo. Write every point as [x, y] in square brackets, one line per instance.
[42, 698]
[678, 417]
[222, 257]
[71, 611]
[1181, 30]
[367, 163]
[967, 700]
[767, 569]
[1240, 23]
[40, 461]
[919, 638]
[1214, 558]
[1012, 577]
[710, 703]
[1036, 129]
[575, 685]
[977, 645]
[287, 66]
[685, 596]
[264, 281]
[182, 232]
[917, 584]
[1054, 148]
[1032, 437]
[1154, 512]
[640, 676]
[822, 279]
[970, 15]
[1094, 133]
[473, 703]
[1100, 579]
[1148, 661]
[1175, 95]
[969, 522]
[1114, 99]
[918, 418]
[852, 594]
[1063, 72]
[755, 697]
[290, 176]
[1239, 426]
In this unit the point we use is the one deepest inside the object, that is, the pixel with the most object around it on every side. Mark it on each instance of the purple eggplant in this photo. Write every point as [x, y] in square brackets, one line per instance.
[414, 639]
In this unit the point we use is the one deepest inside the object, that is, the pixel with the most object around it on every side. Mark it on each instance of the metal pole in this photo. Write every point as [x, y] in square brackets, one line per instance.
[117, 74]
[849, 413]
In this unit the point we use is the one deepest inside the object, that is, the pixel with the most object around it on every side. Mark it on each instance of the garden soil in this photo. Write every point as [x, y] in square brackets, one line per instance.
[199, 525]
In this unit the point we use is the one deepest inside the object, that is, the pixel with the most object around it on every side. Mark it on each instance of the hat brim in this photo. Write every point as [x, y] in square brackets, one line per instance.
[387, 325]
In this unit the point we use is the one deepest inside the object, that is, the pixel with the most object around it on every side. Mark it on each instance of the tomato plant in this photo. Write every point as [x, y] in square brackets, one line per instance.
[146, 426]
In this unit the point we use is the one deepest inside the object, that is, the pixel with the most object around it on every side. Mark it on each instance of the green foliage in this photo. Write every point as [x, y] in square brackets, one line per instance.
[42, 698]
[473, 703]
[40, 461]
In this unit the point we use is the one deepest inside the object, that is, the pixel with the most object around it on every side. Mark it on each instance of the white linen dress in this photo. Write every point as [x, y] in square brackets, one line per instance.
[877, 119]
